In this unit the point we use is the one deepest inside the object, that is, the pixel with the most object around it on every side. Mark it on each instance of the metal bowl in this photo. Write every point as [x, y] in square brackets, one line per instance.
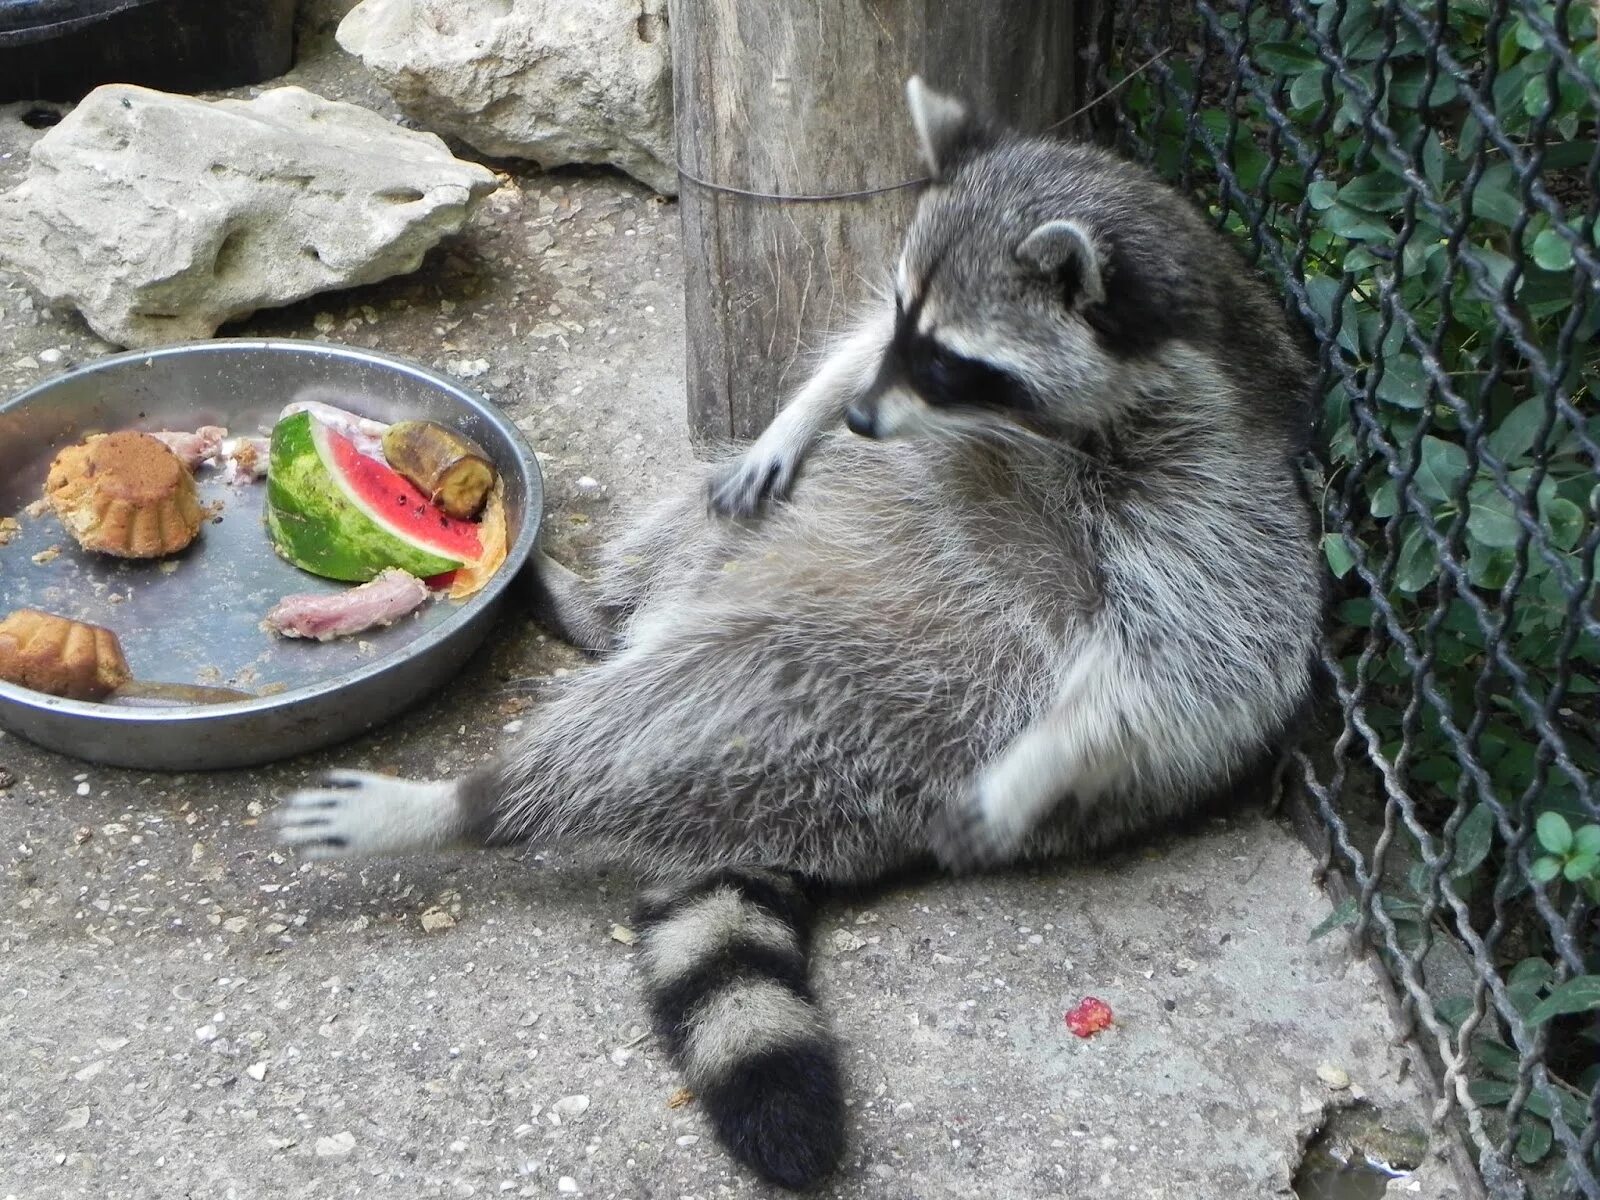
[195, 617]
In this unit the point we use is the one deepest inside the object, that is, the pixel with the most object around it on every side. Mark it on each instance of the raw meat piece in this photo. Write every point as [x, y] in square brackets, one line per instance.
[379, 602]
[193, 448]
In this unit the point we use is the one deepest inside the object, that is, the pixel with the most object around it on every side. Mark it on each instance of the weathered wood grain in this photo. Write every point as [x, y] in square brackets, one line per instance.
[802, 98]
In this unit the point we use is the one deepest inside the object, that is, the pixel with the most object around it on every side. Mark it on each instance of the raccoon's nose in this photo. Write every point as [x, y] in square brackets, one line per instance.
[862, 422]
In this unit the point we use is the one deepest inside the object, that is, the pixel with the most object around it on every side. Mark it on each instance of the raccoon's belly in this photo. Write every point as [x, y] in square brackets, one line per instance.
[887, 608]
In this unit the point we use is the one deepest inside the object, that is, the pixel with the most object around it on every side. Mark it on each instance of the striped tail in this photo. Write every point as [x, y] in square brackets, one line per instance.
[725, 972]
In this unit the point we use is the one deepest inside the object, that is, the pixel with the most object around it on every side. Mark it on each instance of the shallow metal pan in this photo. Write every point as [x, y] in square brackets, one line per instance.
[195, 618]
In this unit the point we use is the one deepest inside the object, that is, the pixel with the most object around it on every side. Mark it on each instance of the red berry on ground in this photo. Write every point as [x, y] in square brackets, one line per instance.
[1089, 1017]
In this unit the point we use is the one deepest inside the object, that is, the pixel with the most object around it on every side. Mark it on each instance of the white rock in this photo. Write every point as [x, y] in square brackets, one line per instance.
[844, 941]
[256, 1071]
[1337, 1078]
[572, 1106]
[336, 1146]
[551, 80]
[566, 1184]
[162, 217]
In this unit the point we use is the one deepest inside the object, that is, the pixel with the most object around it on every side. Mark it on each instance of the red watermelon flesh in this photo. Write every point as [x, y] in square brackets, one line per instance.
[389, 498]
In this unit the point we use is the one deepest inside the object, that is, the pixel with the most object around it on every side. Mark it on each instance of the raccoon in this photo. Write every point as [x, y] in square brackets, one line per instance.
[1054, 586]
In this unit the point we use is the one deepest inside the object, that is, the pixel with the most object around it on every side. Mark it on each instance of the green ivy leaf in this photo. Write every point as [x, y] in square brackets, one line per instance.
[1579, 994]
[1565, 155]
[1492, 521]
[1489, 1091]
[1337, 552]
[1489, 566]
[1474, 837]
[1443, 466]
[1530, 972]
[1497, 1057]
[1285, 58]
[1357, 224]
[1405, 88]
[1555, 835]
[1494, 199]
[1385, 500]
[1376, 192]
[1580, 867]
[1404, 383]
[1551, 251]
[1514, 436]
[1419, 561]
[1307, 90]
[1536, 97]
[1321, 194]
[1534, 1142]
[1545, 869]
[1564, 520]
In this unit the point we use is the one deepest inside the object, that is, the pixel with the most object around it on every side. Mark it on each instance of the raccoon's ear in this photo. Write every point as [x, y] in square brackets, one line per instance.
[947, 128]
[1064, 252]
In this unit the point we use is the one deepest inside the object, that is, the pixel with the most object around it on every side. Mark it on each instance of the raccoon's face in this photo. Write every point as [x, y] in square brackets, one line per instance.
[1038, 284]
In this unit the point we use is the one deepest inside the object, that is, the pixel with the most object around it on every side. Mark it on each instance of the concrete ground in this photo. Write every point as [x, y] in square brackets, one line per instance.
[188, 1012]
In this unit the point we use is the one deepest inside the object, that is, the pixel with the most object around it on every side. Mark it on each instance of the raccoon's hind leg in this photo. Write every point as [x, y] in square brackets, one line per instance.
[769, 468]
[566, 604]
[725, 971]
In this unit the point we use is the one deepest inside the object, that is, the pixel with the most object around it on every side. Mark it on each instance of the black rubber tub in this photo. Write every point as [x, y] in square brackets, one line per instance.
[61, 49]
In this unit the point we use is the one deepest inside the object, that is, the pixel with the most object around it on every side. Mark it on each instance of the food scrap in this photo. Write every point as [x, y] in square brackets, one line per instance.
[193, 449]
[1089, 1017]
[9, 529]
[338, 513]
[244, 459]
[124, 494]
[450, 468]
[78, 661]
[60, 657]
[492, 537]
[380, 602]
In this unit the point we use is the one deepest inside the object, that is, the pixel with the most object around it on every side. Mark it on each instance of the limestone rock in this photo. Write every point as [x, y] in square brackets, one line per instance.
[555, 81]
[161, 217]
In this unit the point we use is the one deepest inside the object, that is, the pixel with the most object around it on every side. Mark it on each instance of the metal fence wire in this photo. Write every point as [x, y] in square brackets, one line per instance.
[1423, 181]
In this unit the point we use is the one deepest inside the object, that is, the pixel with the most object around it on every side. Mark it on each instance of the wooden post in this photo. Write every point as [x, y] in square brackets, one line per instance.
[793, 98]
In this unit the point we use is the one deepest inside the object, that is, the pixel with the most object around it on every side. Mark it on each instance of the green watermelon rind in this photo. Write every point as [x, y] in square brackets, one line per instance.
[317, 525]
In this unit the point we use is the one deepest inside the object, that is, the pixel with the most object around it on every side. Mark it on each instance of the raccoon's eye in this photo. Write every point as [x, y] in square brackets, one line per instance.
[944, 378]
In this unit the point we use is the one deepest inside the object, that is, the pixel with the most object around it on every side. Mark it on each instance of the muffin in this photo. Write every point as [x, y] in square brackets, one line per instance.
[125, 494]
[51, 654]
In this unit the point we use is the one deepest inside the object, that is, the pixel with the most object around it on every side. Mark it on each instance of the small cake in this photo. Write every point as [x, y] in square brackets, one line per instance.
[125, 494]
[51, 654]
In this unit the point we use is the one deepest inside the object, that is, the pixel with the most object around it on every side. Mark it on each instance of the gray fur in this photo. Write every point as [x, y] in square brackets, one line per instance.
[1113, 599]
[1004, 630]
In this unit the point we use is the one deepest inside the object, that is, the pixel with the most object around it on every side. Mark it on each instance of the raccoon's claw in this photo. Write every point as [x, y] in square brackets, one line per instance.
[964, 838]
[356, 812]
[743, 487]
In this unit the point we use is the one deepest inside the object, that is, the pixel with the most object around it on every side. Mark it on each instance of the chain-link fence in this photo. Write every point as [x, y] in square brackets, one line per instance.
[1423, 181]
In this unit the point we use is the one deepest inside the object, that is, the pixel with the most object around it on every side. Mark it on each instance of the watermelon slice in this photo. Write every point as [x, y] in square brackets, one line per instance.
[335, 512]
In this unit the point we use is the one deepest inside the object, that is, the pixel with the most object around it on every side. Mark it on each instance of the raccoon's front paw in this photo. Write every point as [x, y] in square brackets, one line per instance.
[964, 836]
[743, 487]
[356, 812]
